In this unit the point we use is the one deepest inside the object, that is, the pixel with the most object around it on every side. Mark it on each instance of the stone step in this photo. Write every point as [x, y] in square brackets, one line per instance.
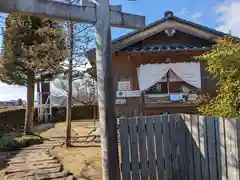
[44, 176]
[34, 148]
[26, 157]
[21, 175]
[23, 160]
[26, 168]
[27, 151]
[31, 154]
[51, 176]
[65, 178]
[33, 163]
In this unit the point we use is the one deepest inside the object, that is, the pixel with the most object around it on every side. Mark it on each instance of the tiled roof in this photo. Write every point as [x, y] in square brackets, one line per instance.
[166, 48]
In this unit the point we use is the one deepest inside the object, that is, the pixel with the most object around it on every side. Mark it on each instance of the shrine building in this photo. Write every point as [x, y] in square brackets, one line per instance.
[154, 69]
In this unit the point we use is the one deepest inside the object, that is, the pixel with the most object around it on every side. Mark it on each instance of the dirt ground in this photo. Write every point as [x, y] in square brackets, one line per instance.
[83, 162]
[82, 159]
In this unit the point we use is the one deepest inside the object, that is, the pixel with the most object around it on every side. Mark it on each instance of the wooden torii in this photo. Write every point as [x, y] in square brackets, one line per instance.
[103, 17]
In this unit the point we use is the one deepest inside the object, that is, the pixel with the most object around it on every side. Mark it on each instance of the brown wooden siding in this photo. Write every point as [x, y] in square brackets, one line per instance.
[178, 38]
[125, 67]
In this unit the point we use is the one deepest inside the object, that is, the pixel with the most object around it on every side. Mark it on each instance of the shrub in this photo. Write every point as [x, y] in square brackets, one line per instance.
[8, 143]
[29, 140]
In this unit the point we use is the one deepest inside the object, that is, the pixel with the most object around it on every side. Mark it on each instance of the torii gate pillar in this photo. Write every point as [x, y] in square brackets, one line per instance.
[106, 93]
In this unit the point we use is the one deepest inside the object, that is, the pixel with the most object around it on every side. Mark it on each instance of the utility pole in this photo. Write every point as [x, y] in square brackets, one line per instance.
[70, 79]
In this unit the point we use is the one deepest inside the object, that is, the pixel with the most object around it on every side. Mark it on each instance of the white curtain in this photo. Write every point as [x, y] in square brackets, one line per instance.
[172, 77]
[188, 72]
[150, 74]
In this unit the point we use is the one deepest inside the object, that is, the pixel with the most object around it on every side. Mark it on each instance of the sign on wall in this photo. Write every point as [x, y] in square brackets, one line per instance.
[132, 94]
[121, 101]
[128, 93]
[124, 85]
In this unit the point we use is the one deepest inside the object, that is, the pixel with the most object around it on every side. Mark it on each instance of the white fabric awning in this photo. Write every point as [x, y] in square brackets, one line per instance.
[150, 74]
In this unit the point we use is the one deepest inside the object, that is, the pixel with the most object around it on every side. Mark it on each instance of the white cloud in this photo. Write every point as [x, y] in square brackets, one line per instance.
[183, 11]
[196, 15]
[12, 92]
[191, 16]
[228, 17]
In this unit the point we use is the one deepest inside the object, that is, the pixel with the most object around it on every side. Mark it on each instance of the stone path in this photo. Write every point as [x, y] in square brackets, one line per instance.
[36, 163]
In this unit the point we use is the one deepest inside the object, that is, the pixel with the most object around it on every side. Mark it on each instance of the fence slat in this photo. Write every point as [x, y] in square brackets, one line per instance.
[222, 144]
[167, 148]
[124, 149]
[150, 147]
[203, 148]
[183, 149]
[159, 146]
[132, 123]
[142, 148]
[218, 148]
[231, 149]
[196, 146]
[174, 146]
[211, 147]
[189, 147]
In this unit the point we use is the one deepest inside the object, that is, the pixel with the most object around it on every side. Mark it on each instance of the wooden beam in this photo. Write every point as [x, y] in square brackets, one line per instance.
[91, 4]
[63, 11]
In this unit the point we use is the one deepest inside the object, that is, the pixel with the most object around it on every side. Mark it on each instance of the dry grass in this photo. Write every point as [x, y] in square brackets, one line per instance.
[83, 160]
[9, 108]
[3, 157]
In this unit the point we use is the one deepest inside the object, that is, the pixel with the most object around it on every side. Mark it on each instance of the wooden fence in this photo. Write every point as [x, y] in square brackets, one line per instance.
[179, 147]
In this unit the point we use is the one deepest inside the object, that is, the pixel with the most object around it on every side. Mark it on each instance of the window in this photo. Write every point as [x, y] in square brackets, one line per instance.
[158, 88]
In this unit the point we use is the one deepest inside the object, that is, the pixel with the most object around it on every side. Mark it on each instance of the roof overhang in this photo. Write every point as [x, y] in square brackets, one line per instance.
[167, 22]
[141, 35]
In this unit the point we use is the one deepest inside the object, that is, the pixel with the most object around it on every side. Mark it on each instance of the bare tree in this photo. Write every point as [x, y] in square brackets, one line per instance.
[84, 90]
[79, 38]
[70, 78]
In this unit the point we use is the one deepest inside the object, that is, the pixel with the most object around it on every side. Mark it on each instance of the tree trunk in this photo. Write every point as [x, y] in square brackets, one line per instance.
[30, 104]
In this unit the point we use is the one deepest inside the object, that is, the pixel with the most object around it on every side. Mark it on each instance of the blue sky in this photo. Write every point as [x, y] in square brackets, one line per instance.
[223, 15]
[200, 11]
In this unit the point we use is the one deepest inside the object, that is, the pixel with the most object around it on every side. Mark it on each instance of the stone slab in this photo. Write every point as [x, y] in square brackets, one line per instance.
[26, 168]
[21, 175]
[19, 160]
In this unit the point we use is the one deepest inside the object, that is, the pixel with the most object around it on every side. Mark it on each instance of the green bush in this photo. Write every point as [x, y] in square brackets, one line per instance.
[29, 140]
[8, 143]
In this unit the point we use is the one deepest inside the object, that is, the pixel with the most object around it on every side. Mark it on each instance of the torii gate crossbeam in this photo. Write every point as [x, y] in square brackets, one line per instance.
[59, 10]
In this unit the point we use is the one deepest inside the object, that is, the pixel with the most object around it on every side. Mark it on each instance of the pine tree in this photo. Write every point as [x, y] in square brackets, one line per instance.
[33, 50]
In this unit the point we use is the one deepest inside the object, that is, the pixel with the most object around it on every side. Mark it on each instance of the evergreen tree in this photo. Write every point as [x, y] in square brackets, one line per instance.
[33, 50]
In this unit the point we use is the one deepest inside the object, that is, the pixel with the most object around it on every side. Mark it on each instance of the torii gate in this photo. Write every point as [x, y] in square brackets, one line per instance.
[103, 17]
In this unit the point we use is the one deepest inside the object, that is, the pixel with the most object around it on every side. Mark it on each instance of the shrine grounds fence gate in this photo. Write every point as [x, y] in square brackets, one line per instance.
[179, 147]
